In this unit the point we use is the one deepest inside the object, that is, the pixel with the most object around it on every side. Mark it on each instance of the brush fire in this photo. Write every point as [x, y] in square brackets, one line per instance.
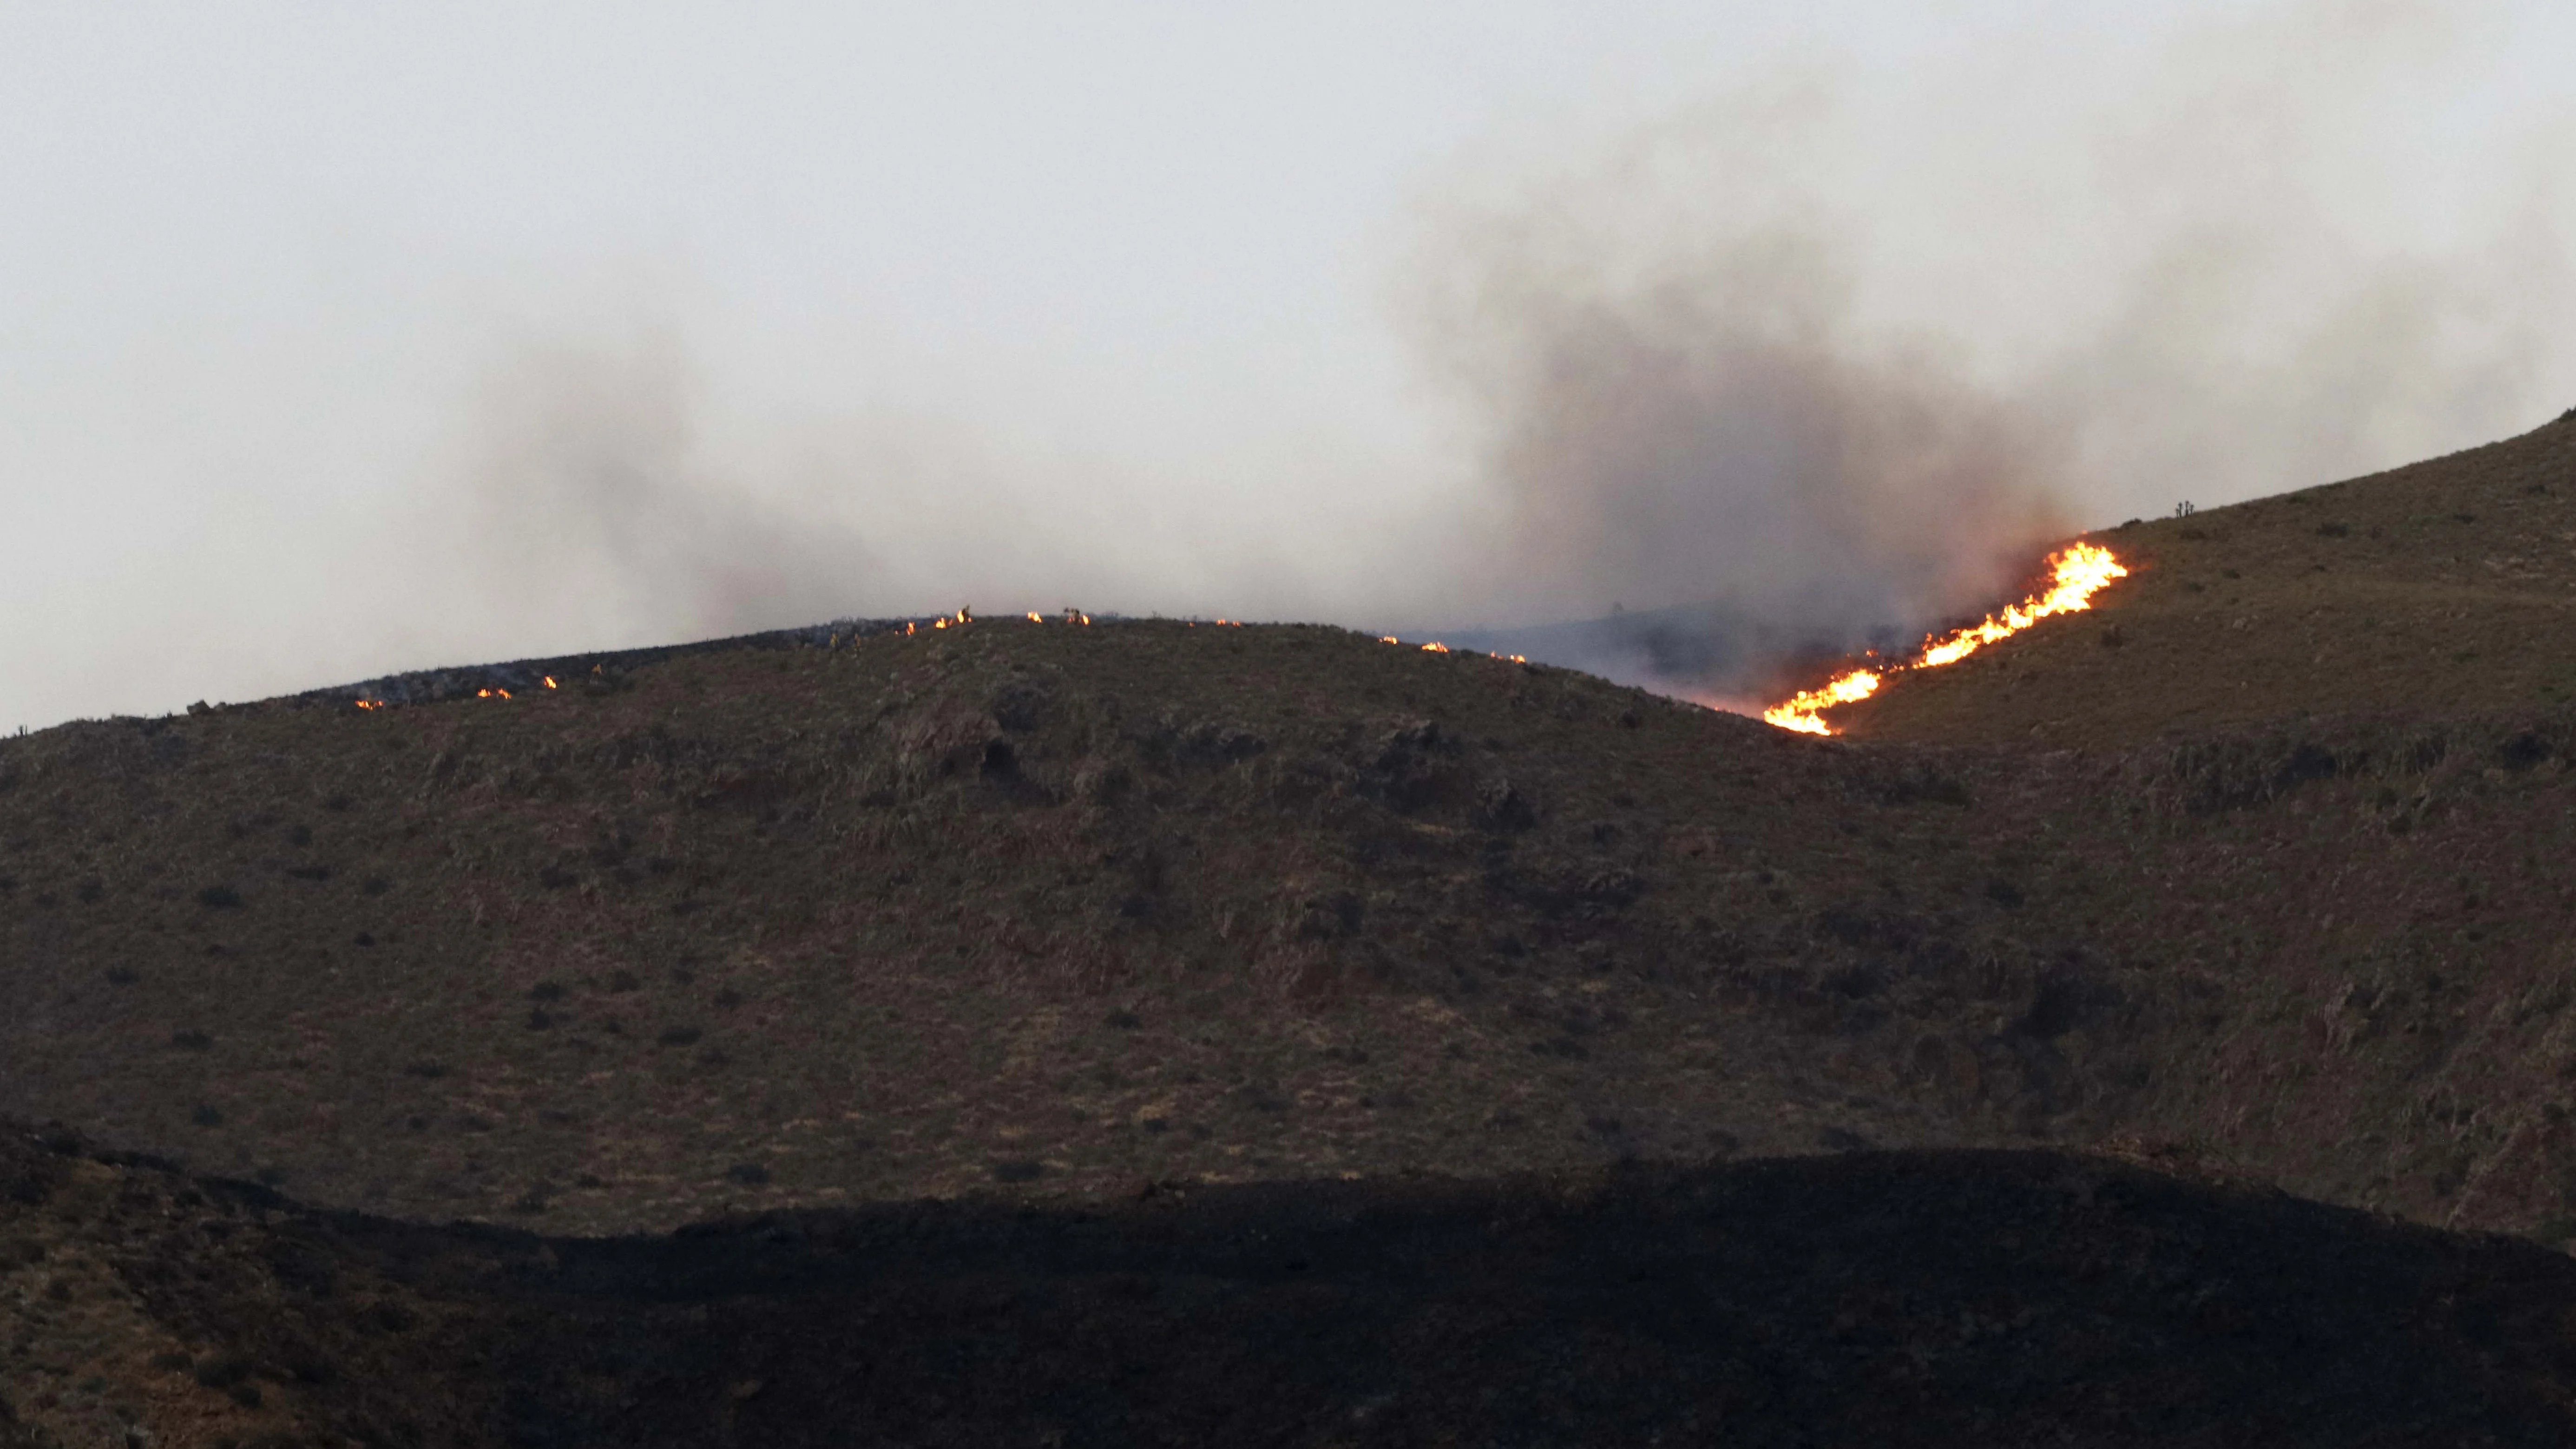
[2076, 574]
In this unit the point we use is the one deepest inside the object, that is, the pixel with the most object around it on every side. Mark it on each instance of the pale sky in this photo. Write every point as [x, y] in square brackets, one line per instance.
[342, 339]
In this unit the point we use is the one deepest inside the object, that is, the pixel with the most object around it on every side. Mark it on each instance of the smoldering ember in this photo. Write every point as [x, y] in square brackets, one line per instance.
[2147, 1024]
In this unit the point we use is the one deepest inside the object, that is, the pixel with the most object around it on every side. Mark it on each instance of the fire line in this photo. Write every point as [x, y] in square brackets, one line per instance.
[2077, 573]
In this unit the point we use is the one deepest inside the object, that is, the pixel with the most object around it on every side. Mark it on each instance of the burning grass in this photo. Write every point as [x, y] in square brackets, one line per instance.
[2076, 573]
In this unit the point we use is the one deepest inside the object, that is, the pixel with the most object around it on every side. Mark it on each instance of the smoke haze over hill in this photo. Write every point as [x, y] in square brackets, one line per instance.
[1818, 327]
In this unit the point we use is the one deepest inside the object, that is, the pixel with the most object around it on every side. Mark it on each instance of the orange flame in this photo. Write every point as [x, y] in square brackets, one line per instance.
[550, 681]
[2077, 573]
[1435, 647]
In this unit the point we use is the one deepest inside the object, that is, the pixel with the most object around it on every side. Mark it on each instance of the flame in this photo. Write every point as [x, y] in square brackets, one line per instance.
[1388, 639]
[1435, 647]
[550, 681]
[1799, 713]
[2076, 574]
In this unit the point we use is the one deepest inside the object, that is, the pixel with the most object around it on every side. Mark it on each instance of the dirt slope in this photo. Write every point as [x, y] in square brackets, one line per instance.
[1871, 1299]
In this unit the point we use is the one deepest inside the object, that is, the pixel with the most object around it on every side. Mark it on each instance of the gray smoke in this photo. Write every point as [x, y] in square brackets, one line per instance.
[582, 495]
[1816, 365]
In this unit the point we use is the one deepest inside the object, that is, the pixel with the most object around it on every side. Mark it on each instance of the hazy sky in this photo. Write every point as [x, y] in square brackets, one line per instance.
[340, 339]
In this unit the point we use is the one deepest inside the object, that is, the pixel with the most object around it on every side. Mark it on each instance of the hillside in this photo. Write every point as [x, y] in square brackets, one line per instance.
[1057, 909]
[2430, 592]
[1871, 1299]
[1045, 919]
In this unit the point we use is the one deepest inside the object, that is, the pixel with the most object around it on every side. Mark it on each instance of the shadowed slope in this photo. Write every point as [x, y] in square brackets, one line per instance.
[1878, 1299]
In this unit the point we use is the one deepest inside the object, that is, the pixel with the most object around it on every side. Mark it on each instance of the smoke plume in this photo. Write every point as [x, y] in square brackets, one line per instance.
[1825, 363]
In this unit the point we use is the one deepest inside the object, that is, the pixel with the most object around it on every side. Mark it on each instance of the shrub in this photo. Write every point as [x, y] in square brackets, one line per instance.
[428, 1071]
[191, 1040]
[624, 981]
[748, 1174]
[545, 991]
[1023, 1169]
[207, 1115]
[122, 976]
[219, 898]
[679, 1036]
[222, 1370]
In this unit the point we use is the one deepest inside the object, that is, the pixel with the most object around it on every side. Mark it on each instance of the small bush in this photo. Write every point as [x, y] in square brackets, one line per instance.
[1024, 1169]
[1125, 1020]
[546, 991]
[191, 1040]
[623, 981]
[172, 1361]
[270, 1176]
[376, 885]
[363, 938]
[428, 1071]
[122, 976]
[219, 898]
[748, 1174]
[679, 1036]
[222, 1370]
[207, 1115]
[540, 1019]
